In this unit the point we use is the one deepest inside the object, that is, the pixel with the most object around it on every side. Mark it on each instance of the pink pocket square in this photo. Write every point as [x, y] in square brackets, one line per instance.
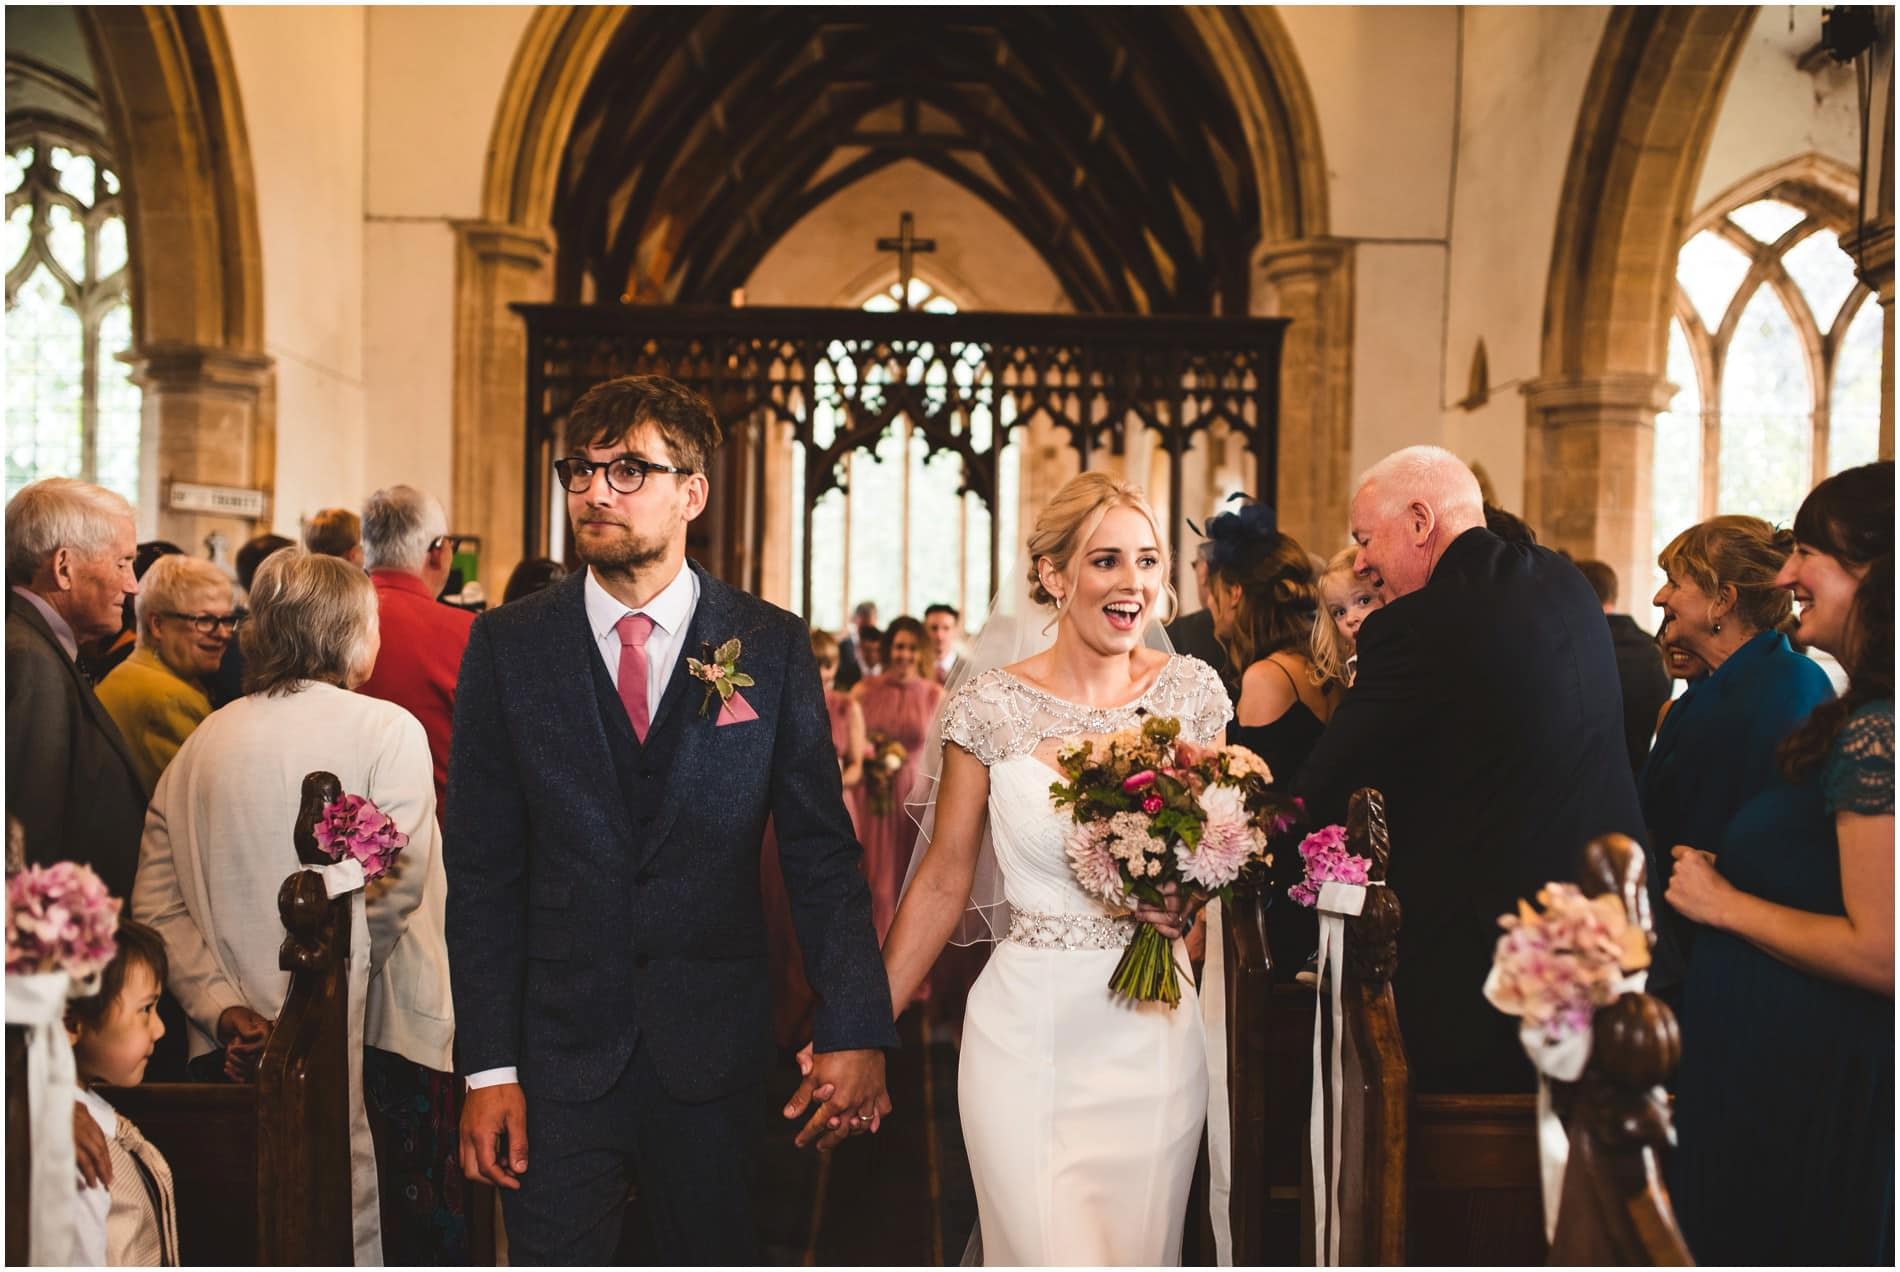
[736, 710]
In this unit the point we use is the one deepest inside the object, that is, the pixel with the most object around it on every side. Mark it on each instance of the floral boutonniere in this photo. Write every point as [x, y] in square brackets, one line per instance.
[721, 673]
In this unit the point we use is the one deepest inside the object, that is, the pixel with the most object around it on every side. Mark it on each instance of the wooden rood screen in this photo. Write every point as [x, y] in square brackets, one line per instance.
[965, 381]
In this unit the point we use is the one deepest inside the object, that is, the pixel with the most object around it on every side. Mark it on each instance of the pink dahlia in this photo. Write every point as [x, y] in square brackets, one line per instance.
[1228, 840]
[1094, 866]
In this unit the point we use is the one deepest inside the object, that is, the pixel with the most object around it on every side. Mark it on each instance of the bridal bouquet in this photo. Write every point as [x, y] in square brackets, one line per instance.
[60, 918]
[354, 827]
[1557, 967]
[881, 769]
[1150, 810]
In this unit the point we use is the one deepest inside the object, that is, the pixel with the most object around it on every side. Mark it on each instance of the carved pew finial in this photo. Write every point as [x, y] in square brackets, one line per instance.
[1372, 955]
[1617, 1114]
[310, 921]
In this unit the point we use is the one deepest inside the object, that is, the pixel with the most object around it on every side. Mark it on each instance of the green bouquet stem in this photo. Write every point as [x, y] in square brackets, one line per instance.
[1146, 973]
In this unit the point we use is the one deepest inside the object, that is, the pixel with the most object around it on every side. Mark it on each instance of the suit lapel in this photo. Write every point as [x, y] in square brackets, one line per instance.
[713, 623]
[89, 701]
[588, 729]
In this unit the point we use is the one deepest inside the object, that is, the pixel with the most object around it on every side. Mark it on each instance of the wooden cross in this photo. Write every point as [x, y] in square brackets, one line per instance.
[906, 245]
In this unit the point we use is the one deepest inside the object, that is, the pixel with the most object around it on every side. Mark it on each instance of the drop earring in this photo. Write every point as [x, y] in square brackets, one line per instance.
[1718, 625]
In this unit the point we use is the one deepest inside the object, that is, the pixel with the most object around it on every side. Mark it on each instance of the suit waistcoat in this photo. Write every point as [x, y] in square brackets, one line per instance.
[642, 768]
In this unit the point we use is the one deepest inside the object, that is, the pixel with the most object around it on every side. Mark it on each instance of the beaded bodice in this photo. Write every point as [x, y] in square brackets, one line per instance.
[996, 716]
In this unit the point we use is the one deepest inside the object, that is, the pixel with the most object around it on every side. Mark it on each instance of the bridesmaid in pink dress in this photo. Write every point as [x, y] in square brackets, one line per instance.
[791, 995]
[900, 704]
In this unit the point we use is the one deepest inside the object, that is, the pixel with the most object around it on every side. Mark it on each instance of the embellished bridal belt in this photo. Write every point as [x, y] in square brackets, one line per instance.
[1070, 931]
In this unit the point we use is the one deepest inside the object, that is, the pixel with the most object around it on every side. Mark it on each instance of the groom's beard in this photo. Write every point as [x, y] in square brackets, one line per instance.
[622, 553]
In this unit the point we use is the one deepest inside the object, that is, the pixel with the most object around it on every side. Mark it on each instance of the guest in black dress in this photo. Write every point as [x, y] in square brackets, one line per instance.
[1716, 749]
[1784, 1107]
[1263, 593]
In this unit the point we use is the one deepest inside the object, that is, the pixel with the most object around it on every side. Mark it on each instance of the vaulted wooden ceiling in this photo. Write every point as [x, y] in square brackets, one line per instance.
[1102, 135]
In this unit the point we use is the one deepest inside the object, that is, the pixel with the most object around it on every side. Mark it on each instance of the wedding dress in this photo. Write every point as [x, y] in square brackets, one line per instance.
[1082, 1112]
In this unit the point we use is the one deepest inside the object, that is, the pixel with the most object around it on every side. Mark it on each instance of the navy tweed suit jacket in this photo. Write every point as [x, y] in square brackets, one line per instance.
[588, 914]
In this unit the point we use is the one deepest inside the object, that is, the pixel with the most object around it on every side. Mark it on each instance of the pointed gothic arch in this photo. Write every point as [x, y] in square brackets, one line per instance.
[508, 255]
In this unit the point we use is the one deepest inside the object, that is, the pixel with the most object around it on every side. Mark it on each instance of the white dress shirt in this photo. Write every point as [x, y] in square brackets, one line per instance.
[671, 610]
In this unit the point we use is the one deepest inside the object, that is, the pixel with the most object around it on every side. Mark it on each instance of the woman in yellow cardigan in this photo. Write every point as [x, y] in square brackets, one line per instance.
[157, 695]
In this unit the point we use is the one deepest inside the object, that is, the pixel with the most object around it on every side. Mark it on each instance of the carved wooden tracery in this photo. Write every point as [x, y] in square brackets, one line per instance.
[965, 381]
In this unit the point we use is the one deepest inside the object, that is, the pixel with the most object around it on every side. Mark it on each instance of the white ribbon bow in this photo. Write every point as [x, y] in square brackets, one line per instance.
[1220, 1127]
[1337, 902]
[39, 1002]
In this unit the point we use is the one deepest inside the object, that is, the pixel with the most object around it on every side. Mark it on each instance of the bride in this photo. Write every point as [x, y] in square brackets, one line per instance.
[1082, 1112]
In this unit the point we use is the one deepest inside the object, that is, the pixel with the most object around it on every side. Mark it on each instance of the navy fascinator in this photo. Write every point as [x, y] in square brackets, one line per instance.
[1241, 535]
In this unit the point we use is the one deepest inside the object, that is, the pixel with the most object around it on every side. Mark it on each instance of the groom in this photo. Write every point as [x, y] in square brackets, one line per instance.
[605, 814]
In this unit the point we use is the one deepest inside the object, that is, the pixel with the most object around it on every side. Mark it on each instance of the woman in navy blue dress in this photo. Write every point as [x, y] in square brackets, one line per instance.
[1784, 1107]
[1715, 750]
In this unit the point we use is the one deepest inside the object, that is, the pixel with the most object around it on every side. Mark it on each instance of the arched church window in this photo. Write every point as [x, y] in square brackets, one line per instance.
[72, 409]
[1775, 352]
[901, 532]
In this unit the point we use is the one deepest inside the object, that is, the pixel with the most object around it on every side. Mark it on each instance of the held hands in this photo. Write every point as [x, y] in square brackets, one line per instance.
[850, 1088]
[243, 1033]
[495, 1135]
[1696, 888]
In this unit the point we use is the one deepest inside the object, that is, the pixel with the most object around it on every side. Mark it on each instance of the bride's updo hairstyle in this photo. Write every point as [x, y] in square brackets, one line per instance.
[1066, 522]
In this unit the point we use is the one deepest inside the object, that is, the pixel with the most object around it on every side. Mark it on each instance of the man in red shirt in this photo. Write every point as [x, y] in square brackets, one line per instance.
[407, 551]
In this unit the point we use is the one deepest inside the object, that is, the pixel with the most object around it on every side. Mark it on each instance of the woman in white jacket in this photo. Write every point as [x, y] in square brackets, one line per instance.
[217, 848]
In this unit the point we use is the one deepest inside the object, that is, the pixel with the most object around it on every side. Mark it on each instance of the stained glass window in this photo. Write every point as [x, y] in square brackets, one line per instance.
[1788, 401]
[71, 408]
[902, 533]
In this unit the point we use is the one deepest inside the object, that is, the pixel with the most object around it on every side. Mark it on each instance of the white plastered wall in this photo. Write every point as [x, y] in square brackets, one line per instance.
[1521, 91]
[369, 130]
[300, 74]
[1774, 110]
[434, 82]
[1384, 83]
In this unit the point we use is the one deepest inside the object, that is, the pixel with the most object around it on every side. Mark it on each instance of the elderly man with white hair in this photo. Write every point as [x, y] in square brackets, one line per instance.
[160, 693]
[1488, 711]
[70, 779]
[408, 552]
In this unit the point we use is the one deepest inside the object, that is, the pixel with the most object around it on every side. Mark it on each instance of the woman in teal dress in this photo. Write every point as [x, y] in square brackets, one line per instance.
[1715, 750]
[1784, 1110]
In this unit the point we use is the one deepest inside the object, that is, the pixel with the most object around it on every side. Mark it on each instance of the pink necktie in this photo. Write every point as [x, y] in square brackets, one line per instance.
[634, 630]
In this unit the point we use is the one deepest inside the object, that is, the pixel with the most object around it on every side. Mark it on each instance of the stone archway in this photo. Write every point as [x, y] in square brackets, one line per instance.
[1649, 109]
[507, 256]
[171, 100]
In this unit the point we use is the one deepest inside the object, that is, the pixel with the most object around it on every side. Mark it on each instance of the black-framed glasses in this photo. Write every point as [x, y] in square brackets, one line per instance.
[205, 624]
[625, 474]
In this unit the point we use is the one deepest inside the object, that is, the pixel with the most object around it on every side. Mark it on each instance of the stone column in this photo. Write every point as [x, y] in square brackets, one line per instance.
[1309, 281]
[1589, 449]
[1872, 250]
[203, 419]
[1872, 245]
[496, 265]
